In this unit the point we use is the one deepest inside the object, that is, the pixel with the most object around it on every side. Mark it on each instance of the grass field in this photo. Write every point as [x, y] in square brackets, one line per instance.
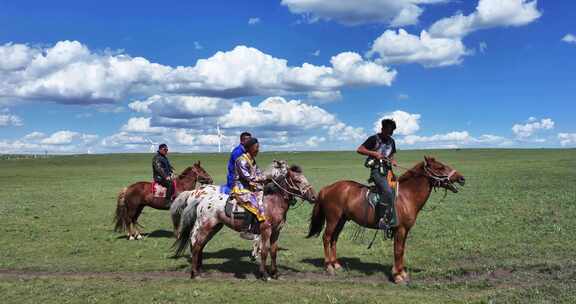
[508, 237]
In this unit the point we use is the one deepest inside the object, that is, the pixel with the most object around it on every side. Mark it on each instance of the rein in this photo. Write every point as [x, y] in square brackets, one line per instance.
[292, 186]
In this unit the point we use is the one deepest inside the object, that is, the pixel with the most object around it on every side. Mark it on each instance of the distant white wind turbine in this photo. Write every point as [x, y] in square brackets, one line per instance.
[219, 137]
[153, 145]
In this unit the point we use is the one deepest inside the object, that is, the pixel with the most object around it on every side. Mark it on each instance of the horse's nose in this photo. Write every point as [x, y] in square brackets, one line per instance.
[461, 180]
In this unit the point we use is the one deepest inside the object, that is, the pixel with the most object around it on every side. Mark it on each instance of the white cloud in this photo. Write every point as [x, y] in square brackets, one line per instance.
[528, 129]
[7, 120]
[182, 106]
[482, 46]
[70, 73]
[197, 45]
[456, 136]
[569, 38]
[316, 53]
[401, 47]
[315, 141]
[277, 113]
[140, 125]
[406, 123]
[253, 20]
[63, 141]
[567, 139]
[488, 14]
[393, 12]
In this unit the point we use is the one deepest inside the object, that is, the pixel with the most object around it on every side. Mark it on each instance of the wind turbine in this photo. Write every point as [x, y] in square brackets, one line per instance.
[219, 137]
[152, 145]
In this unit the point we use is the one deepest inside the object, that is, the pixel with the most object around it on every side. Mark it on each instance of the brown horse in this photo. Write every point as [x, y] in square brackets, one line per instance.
[346, 200]
[205, 215]
[134, 198]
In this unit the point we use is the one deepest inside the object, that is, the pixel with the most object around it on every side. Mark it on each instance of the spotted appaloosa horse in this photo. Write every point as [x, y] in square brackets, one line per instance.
[132, 199]
[346, 200]
[204, 216]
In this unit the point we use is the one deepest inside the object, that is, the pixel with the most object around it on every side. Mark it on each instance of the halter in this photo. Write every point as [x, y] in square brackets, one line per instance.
[437, 179]
[292, 186]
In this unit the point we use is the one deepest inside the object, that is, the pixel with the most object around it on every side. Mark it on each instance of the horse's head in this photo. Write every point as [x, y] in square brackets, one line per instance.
[299, 184]
[290, 180]
[442, 175]
[201, 175]
[196, 173]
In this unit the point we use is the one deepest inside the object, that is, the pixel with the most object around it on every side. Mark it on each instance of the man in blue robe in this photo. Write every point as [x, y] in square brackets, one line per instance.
[237, 152]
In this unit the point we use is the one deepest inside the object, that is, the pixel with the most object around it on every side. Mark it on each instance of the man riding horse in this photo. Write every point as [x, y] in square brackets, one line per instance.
[237, 152]
[162, 171]
[380, 149]
[248, 184]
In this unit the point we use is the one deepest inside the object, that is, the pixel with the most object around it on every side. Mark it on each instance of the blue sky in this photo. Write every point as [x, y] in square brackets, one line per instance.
[107, 76]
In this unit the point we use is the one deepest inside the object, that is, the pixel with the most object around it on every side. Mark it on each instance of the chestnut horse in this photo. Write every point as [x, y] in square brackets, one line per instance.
[134, 198]
[346, 200]
[205, 215]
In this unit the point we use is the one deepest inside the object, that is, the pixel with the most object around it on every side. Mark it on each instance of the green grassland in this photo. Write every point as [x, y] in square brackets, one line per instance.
[509, 236]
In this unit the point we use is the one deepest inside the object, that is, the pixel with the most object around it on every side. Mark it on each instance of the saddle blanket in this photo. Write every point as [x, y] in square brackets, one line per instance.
[159, 191]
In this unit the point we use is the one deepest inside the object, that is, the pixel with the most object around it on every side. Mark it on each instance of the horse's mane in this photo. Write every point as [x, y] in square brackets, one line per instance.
[185, 173]
[414, 171]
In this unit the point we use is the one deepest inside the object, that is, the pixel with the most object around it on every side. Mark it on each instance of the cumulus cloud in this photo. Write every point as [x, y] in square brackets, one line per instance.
[567, 139]
[181, 106]
[70, 73]
[63, 141]
[456, 136]
[140, 125]
[569, 38]
[526, 130]
[441, 45]
[406, 123]
[393, 12]
[277, 113]
[401, 47]
[488, 14]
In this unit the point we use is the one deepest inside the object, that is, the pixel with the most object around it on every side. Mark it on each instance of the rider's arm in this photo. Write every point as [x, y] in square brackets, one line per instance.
[364, 148]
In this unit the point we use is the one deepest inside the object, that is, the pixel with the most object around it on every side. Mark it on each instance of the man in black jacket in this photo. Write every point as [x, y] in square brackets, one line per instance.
[162, 171]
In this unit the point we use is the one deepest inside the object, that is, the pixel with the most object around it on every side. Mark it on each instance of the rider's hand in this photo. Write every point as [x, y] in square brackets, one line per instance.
[169, 177]
[394, 162]
[378, 155]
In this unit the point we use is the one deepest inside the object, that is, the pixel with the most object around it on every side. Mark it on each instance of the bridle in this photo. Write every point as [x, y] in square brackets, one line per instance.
[292, 187]
[438, 180]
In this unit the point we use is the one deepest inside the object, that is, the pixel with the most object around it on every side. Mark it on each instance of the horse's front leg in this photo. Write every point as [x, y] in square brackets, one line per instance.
[265, 233]
[274, 253]
[399, 274]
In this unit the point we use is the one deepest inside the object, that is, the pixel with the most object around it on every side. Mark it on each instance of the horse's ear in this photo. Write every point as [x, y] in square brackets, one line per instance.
[197, 163]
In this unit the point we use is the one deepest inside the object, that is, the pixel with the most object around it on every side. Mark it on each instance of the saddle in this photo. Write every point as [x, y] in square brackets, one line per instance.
[159, 191]
[236, 212]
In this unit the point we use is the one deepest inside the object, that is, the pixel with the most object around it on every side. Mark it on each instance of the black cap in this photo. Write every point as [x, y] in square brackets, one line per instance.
[162, 146]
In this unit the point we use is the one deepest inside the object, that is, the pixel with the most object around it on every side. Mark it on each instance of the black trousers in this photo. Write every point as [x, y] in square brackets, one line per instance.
[386, 193]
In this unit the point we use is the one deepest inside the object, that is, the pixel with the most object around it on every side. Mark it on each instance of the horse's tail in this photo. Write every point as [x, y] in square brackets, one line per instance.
[178, 207]
[317, 218]
[121, 217]
[187, 222]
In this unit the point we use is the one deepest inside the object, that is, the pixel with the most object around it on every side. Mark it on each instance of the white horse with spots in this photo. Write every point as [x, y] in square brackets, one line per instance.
[204, 215]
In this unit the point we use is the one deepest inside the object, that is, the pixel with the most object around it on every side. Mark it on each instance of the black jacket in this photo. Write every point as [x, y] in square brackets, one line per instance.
[161, 168]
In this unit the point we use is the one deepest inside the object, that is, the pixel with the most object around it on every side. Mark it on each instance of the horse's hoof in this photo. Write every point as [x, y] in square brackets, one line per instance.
[330, 270]
[138, 237]
[337, 266]
[130, 238]
[266, 278]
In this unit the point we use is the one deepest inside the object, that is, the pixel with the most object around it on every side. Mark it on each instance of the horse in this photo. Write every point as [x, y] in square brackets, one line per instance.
[132, 199]
[205, 215]
[346, 200]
